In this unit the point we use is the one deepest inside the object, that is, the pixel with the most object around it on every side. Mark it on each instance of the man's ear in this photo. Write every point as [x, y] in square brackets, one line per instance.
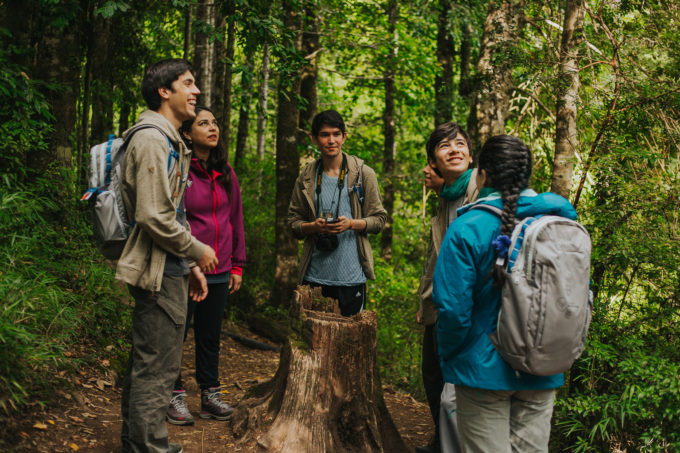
[314, 138]
[164, 93]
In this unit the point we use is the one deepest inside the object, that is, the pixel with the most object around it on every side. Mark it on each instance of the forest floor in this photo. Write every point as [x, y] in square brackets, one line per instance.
[87, 417]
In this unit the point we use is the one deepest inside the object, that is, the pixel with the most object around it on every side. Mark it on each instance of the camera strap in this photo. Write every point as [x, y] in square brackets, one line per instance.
[341, 183]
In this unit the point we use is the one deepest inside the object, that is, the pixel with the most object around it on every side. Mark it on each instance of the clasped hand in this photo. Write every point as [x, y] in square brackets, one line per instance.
[323, 227]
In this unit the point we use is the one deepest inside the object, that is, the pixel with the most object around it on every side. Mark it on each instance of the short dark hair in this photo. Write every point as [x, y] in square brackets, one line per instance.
[328, 118]
[161, 75]
[445, 131]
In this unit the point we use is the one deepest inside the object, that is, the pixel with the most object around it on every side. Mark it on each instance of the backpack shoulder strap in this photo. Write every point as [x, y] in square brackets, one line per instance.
[358, 185]
[173, 153]
[488, 208]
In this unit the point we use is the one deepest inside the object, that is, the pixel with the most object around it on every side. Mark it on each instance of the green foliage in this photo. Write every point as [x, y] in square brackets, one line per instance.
[25, 118]
[54, 295]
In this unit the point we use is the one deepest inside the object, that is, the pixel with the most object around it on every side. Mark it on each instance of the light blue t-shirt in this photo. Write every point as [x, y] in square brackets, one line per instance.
[341, 267]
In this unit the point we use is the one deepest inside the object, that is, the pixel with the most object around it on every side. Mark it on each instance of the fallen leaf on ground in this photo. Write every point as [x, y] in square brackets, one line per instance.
[73, 446]
[51, 422]
[25, 435]
[75, 419]
[40, 425]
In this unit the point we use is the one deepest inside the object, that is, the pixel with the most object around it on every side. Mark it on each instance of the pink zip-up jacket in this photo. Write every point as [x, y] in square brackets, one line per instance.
[215, 219]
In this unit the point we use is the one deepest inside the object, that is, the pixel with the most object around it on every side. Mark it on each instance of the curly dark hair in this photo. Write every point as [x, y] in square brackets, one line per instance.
[218, 155]
[507, 163]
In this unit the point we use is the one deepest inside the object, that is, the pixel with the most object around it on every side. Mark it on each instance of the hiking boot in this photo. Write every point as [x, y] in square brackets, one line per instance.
[178, 413]
[212, 405]
[175, 448]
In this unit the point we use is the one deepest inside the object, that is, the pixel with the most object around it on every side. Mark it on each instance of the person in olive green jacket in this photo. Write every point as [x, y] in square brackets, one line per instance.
[448, 173]
[160, 254]
[334, 206]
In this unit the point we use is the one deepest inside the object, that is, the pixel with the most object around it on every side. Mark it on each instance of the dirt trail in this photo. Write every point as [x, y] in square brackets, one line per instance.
[89, 417]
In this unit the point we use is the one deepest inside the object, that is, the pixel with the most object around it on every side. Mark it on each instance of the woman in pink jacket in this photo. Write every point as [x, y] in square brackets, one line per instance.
[214, 212]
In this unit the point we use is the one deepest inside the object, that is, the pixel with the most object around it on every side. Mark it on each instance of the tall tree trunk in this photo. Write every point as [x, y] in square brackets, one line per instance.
[217, 102]
[124, 118]
[287, 158]
[464, 86]
[203, 49]
[102, 82]
[263, 93]
[226, 58]
[59, 58]
[491, 100]
[389, 129]
[326, 395]
[310, 49]
[568, 82]
[188, 17]
[443, 82]
[244, 111]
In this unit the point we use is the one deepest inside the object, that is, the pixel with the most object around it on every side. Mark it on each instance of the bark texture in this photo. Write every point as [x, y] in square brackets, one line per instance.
[308, 81]
[203, 63]
[287, 160]
[568, 82]
[326, 395]
[390, 131]
[443, 82]
[491, 98]
[244, 110]
[262, 98]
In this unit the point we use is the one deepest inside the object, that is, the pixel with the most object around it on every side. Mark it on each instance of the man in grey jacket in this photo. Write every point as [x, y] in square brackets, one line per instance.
[335, 204]
[160, 255]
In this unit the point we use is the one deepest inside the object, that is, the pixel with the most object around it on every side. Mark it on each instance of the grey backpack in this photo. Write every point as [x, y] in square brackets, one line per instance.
[546, 301]
[110, 222]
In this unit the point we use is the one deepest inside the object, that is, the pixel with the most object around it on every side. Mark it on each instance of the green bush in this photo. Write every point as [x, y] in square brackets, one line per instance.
[55, 294]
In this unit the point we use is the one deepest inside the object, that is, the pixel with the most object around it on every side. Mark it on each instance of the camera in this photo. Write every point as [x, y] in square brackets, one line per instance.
[327, 242]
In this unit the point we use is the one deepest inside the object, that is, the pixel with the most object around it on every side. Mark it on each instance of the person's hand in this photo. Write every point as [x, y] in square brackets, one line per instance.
[418, 316]
[198, 286]
[234, 283]
[208, 261]
[432, 179]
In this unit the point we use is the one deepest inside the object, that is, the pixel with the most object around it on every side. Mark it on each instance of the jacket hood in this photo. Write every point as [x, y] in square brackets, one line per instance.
[158, 120]
[529, 204]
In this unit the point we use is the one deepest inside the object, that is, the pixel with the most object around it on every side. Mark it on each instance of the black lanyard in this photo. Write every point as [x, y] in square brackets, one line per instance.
[341, 183]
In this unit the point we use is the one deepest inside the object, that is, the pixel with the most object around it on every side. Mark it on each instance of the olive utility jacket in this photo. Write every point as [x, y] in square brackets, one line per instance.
[303, 209]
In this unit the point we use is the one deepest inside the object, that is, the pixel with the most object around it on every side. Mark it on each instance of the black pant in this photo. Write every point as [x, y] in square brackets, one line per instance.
[432, 374]
[207, 316]
[351, 299]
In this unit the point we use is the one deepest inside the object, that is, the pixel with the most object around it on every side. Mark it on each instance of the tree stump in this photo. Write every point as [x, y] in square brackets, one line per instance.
[326, 395]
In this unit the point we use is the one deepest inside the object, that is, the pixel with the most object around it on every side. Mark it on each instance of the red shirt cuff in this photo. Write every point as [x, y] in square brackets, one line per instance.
[236, 270]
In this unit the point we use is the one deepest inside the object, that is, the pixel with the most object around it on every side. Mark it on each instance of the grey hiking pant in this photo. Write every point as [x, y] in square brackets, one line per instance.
[157, 333]
[504, 421]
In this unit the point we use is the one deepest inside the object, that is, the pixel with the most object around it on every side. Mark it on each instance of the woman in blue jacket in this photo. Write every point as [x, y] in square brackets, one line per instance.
[499, 410]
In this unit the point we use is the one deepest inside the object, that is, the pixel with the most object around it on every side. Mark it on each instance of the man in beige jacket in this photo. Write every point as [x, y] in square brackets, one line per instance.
[160, 254]
[334, 206]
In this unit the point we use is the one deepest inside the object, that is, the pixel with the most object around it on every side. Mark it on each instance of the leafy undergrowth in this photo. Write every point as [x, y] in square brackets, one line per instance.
[56, 293]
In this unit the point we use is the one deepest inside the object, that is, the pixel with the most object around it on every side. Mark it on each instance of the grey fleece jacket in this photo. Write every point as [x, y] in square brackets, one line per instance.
[303, 209]
[151, 198]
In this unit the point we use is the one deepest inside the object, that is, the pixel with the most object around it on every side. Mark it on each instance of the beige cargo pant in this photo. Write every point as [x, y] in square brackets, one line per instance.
[504, 421]
[157, 335]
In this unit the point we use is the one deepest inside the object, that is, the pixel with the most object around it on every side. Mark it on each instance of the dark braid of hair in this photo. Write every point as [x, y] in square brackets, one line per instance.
[507, 162]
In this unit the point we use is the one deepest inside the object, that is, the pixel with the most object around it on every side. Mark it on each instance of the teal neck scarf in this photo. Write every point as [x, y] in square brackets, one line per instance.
[458, 188]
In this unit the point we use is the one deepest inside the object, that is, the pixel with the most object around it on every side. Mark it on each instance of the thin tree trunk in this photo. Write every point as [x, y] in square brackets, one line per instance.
[464, 87]
[244, 111]
[263, 93]
[310, 49]
[287, 160]
[217, 101]
[228, 59]
[203, 49]
[187, 31]
[443, 83]
[390, 132]
[491, 100]
[566, 136]
[102, 83]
